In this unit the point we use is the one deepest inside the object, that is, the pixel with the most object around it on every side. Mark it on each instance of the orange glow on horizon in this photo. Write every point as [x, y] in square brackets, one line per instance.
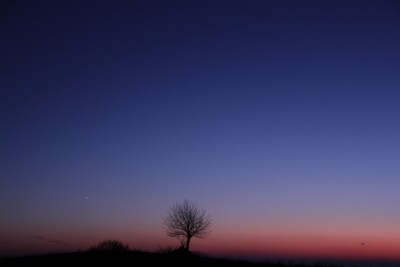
[306, 243]
[301, 241]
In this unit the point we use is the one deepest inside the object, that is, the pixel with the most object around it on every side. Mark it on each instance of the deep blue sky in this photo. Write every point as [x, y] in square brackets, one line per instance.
[265, 110]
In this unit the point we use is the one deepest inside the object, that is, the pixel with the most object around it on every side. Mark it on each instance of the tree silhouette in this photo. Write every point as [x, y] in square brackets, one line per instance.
[186, 220]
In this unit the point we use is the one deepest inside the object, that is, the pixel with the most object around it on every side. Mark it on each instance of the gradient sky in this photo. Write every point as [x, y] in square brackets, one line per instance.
[280, 118]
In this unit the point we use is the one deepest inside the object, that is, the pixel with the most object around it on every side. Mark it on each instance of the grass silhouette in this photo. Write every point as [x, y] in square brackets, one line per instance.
[115, 253]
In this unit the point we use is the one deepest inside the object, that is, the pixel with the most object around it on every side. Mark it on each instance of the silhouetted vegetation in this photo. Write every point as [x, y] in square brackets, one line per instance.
[115, 253]
[185, 221]
[110, 246]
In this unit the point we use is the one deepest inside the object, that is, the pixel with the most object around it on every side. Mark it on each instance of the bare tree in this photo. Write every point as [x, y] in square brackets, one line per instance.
[186, 220]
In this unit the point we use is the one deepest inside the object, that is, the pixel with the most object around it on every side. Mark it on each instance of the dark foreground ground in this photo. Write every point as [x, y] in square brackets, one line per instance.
[138, 259]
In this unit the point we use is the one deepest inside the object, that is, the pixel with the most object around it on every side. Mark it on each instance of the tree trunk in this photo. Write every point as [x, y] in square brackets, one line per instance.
[188, 242]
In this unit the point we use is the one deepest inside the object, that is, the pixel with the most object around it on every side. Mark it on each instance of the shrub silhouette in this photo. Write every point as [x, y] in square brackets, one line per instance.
[110, 245]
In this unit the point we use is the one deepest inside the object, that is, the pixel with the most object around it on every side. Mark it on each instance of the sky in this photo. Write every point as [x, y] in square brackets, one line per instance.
[280, 118]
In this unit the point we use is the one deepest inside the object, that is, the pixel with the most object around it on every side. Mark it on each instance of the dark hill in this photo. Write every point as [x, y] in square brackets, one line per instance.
[135, 259]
